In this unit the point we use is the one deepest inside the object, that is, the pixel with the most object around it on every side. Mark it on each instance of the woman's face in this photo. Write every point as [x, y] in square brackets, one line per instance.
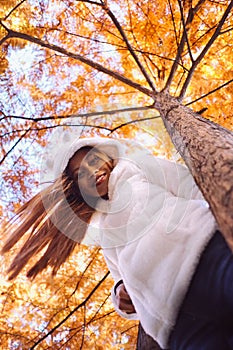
[91, 169]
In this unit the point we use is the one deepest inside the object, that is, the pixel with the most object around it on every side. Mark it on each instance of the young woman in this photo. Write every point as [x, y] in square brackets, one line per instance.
[172, 268]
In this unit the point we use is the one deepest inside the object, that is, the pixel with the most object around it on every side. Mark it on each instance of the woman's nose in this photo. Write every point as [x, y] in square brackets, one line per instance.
[91, 170]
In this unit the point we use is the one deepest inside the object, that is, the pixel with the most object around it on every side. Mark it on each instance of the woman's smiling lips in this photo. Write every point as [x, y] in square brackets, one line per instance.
[100, 179]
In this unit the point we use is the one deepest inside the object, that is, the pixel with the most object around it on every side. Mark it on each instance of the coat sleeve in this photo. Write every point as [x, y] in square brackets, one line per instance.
[173, 177]
[117, 279]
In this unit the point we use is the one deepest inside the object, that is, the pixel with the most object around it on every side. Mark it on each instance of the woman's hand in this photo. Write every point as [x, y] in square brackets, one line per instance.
[123, 299]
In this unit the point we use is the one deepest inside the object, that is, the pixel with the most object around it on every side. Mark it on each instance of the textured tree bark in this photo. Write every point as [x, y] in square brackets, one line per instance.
[207, 149]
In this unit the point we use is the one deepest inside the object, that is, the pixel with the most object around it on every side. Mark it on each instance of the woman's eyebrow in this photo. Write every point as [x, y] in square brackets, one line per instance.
[87, 157]
[91, 154]
[76, 170]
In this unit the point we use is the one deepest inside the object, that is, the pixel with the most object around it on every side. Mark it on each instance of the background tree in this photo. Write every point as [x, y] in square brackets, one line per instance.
[112, 69]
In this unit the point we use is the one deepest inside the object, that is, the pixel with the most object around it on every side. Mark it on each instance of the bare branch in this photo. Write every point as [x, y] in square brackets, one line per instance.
[81, 115]
[226, 30]
[174, 24]
[83, 327]
[137, 48]
[185, 30]
[192, 12]
[132, 122]
[91, 2]
[85, 270]
[206, 48]
[72, 312]
[95, 65]
[204, 34]
[5, 38]
[131, 50]
[80, 328]
[128, 329]
[56, 126]
[120, 47]
[15, 8]
[13, 147]
[81, 125]
[210, 92]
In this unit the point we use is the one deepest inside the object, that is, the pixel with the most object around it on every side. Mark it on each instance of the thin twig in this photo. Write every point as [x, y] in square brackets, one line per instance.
[203, 35]
[120, 47]
[226, 31]
[132, 122]
[13, 147]
[5, 38]
[137, 48]
[56, 126]
[82, 125]
[72, 312]
[174, 24]
[192, 12]
[81, 115]
[85, 270]
[83, 327]
[15, 8]
[91, 2]
[210, 92]
[185, 29]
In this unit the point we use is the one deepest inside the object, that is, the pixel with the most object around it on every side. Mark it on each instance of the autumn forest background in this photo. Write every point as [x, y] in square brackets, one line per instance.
[97, 68]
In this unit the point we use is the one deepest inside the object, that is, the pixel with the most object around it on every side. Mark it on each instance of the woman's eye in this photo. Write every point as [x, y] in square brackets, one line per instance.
[80, 175]
[94, 160]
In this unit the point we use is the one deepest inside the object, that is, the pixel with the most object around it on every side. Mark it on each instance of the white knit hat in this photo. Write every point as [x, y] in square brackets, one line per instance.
[62, 148]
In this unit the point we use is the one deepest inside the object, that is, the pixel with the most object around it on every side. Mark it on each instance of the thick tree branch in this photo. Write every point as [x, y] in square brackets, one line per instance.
[204, 51]
[90, 63]
[5, 38]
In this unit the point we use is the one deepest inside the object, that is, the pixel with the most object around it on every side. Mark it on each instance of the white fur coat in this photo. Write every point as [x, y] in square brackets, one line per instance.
[152, 230]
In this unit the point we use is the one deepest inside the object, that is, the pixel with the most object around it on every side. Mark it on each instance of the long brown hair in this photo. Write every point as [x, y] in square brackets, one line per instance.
[50, 219]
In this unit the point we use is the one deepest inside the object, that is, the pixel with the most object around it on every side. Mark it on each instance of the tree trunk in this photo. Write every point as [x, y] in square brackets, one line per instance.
[207, 149]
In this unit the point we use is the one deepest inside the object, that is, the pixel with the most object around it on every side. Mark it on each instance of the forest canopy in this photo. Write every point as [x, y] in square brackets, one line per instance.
[95, 67]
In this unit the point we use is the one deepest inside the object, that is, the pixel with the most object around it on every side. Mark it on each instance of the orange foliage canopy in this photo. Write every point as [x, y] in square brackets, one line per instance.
[95, 66]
